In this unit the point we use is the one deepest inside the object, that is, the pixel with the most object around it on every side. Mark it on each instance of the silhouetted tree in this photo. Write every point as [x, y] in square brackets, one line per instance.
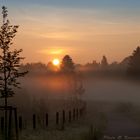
[80, 90]
[51, 68]
[9, 62]
[34, 68]
[134, 63]
[95, 64]
[67, 64]
[104, 62]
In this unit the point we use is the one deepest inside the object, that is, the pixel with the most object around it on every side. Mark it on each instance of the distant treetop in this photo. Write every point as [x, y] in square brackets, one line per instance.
[134, 63]
[104, 61]
[67, 64]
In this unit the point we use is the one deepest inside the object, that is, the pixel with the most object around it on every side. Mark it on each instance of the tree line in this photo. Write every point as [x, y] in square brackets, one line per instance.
[130, 66]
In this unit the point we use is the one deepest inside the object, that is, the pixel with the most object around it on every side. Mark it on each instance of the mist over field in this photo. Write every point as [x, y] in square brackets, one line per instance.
[112, 103]
[97, 89]
[112, 90]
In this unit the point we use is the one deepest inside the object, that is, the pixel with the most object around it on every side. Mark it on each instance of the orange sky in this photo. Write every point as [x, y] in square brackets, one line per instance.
[48, 32]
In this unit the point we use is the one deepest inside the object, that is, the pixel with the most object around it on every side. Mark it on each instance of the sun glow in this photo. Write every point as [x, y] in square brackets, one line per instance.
[56, 62]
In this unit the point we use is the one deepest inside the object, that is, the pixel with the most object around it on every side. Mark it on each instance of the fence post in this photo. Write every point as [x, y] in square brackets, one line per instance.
[80, 112]
[57, 118]
[69, 116]
[20, 123]
[77, 114]
[34, 121]
[46, 119]
[2, 125]
[73, 114]
[63, 117]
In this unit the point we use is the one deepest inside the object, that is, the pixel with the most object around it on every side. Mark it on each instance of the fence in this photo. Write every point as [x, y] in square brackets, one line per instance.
[60, 117]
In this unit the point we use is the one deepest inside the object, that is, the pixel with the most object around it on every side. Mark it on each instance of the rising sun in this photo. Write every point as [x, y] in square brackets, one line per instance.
[56, 62]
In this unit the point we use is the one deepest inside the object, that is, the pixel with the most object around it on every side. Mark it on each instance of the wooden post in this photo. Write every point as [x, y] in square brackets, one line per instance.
[77, 114]
[69, 116]
[20, 123]
[80, 112]
[57, 118]
[25, 124]
[73, 114]
[10, 124]
[16, 123]
[34, 121]
[63, 117]
[2, 125]
[46, 119]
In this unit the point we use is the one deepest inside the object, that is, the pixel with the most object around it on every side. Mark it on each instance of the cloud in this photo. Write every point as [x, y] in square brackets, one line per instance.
[55, 51]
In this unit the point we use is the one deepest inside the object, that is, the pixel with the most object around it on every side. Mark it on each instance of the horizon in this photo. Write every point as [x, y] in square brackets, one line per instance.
[51, 29]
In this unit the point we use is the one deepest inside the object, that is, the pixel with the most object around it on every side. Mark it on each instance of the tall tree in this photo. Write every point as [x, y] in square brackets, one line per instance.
[9, 62]
[134, 63]
[104, 62]
[67, 64]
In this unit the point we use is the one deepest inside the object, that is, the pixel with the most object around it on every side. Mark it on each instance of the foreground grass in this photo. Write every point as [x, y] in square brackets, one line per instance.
[67, 134]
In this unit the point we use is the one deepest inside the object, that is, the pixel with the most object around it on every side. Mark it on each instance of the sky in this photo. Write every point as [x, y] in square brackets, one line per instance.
[84, 29]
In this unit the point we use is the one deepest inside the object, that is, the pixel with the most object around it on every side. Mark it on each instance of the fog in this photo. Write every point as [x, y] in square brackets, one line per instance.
[112, 103]
[112, 90]
[97, 89]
